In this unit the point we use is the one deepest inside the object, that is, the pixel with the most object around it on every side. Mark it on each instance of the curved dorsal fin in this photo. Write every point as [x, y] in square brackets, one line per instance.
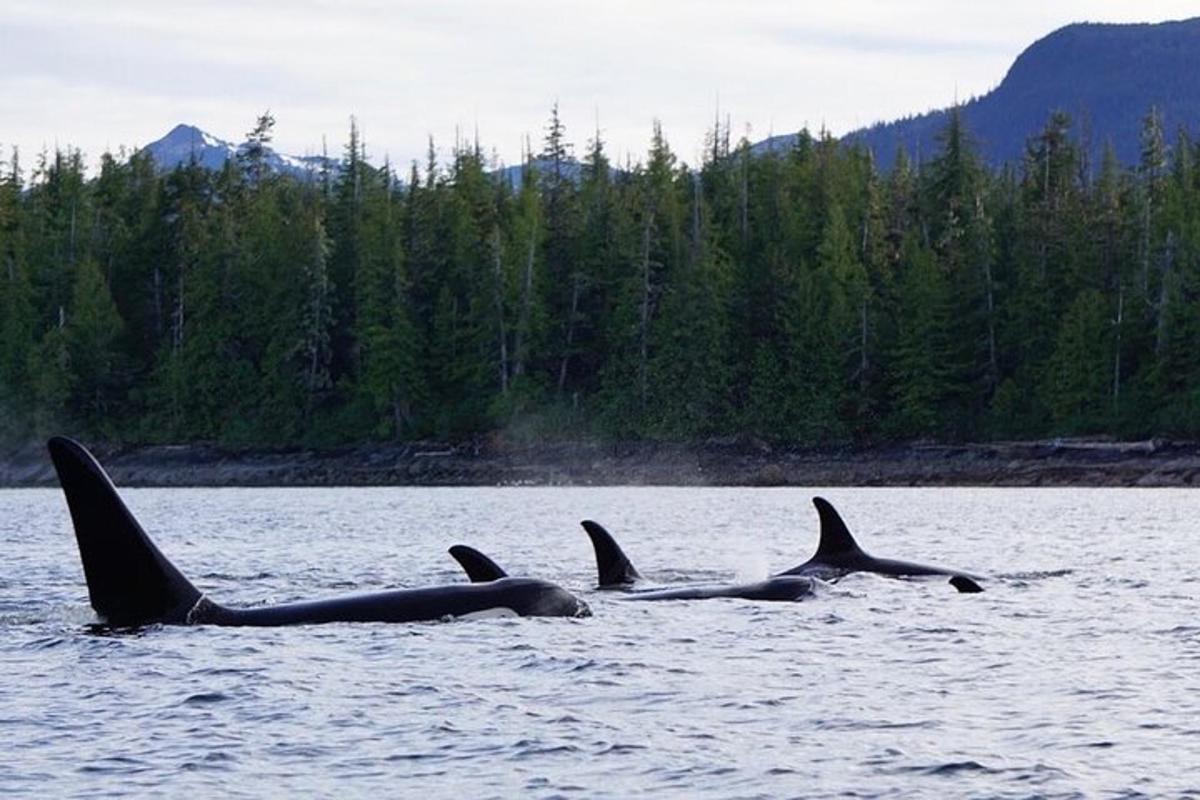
[612, 565]
[835, 536]
[129, 581]
[479, 568]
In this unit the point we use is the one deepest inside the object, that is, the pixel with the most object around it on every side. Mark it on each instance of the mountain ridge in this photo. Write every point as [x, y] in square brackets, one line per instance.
[185, 142]
[1106, 76]
[1102, 74]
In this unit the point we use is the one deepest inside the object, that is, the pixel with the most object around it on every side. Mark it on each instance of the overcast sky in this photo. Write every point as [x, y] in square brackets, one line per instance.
[98, 75]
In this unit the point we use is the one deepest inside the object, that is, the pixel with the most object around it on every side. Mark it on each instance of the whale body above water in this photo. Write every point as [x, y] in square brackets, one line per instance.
[131, 583]
[838, 554]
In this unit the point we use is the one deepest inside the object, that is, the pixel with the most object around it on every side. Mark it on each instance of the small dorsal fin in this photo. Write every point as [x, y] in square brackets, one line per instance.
[965, 585]
[835, 536]
[612, 565]
[129, 581]
[479, 568]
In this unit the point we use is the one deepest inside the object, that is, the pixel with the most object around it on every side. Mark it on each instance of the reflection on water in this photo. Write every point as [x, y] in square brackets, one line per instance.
[1074, 674]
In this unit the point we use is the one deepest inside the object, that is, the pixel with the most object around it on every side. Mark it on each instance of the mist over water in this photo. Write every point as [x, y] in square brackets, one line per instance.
[1074, 674]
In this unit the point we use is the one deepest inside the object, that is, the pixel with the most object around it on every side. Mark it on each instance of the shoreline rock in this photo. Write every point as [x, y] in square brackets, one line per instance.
[713, 463]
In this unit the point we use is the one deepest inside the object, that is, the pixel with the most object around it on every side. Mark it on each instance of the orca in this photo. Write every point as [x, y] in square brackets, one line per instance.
[838, 554]
[480, 568]
[132, 584]
[615, 571]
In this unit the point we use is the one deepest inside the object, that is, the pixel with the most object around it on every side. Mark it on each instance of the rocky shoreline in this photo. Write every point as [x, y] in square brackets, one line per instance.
[712, 463]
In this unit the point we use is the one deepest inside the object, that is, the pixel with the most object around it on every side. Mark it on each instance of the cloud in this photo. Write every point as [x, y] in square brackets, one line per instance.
[891, 43]
[125, 71]
[129, 63]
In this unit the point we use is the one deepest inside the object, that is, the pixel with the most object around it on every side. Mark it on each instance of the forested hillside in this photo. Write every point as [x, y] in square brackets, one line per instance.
[1104, 75]
[799, 296]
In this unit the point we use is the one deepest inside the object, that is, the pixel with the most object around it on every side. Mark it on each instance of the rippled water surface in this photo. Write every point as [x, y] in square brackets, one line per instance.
[1077, 673]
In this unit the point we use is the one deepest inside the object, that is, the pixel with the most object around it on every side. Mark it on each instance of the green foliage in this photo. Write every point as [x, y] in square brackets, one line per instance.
[92, 334]
[797, 296]
[924, 352]
[1077, 378]
[689, 369]
[52, 376]
[17, 314]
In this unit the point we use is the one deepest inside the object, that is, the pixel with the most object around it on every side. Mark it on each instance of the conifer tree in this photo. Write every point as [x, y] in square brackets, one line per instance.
[923, 357]
[688, 370]
[961, 236]
[17, 313]
[1077, 380]
[564, 278]
[253, 154]
[51, 376]
[316, 319]
[389, 347]
[92, 332]
[600, 260]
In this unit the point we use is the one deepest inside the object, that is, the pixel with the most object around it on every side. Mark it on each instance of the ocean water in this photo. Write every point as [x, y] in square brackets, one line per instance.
[1076, 674]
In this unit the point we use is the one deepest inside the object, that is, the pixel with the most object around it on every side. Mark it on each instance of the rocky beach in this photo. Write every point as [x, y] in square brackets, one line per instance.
[712, 463]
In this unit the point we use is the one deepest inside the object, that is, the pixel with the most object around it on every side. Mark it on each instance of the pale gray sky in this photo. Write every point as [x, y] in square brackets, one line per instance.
[98, 75]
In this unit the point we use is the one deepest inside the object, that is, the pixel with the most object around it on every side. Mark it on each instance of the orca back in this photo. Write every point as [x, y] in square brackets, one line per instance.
[479, 568]
[129, 581]
[613, 567]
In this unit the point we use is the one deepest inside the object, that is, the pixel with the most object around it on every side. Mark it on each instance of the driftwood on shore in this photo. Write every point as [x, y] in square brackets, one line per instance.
[712, 463]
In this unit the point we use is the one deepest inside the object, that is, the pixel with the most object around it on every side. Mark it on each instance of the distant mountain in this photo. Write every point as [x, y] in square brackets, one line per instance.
[515, 175]
[185, 142]
[1107, 77]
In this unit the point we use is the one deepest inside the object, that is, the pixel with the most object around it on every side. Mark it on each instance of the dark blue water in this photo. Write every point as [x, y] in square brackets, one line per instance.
[1076, 674]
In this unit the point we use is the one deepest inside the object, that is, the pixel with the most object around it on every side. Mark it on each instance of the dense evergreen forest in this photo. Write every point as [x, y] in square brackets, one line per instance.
[798, 296]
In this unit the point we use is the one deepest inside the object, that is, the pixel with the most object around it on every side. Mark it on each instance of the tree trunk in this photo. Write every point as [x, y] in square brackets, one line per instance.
[644, 324]
[1161, 332]
[1116, 391]
[993, 361]
[158, 315]
[501, 331]
[562, 367]
[398, 415]
[863, 361]
[71, 243]
[1145, 247]
[178, 317]
[744, 200]
[520, 344]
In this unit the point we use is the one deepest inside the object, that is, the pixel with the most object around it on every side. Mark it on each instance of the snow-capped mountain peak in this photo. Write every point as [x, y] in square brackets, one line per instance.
[185, 142]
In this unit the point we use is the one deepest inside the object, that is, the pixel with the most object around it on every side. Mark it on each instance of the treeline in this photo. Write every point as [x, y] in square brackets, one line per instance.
[796, 296]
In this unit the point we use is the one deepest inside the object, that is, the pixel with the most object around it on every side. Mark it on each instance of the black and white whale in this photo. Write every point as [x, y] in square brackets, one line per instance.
[130, 583]
[614, 570]
[839, 555]
[481, 568]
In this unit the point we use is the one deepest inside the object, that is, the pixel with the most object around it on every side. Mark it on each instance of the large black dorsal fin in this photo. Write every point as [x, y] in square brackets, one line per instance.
[129, 581]
[479, 568]
[835, 536]
[612, 565]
